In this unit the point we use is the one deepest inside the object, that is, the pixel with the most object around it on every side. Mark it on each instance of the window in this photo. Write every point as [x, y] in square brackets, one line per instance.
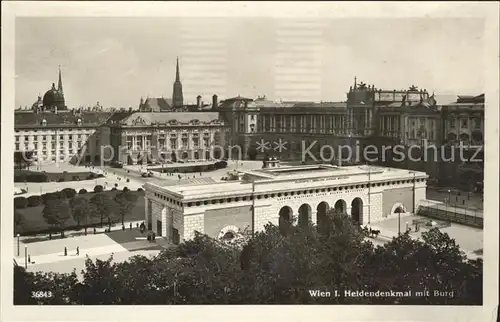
[17, 146]
[61, 137]
[44, 146]
[451, 123]
[465, 123]
[17, 139]
[44, 138]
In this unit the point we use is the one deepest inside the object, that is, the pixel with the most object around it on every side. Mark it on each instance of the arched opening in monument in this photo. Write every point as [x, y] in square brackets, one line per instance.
[451, 137]
[357, 211]
[229, 235]
[304, 215]
[464, 137]
[185, 155]
[340, 206]
[321, 214]
[173, 156]
[285, 219]
[398, 208]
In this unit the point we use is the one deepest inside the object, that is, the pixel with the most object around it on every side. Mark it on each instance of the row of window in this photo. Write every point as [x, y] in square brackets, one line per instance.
[303, 123]
[476, 123]
[77, 137]
[284, 194]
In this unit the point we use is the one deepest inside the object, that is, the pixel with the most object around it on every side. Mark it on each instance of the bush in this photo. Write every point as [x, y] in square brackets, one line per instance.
[140, 189]
[125, 189]
[82, 191]
[75, 178]
[114, 189]
[34, 201]
[98, 188]
[69, 192]
[60, 195]
[28, 176]
[60, 180]
[51, 196]
[20, 202]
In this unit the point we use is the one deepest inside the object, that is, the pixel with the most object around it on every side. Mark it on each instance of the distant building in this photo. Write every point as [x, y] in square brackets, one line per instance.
[53, 99]
[145, 137]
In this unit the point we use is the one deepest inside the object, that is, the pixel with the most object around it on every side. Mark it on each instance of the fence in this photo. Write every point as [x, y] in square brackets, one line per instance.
[442, 211]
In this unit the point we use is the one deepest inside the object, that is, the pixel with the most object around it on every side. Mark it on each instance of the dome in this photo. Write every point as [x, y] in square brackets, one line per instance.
[53, 98]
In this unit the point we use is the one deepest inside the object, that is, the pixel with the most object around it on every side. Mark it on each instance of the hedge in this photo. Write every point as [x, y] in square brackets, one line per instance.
[69, 192]
[34, 201]
[20, 202]
[82, 191]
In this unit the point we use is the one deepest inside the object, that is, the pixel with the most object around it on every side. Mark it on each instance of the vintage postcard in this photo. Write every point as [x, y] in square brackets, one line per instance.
[202, 161]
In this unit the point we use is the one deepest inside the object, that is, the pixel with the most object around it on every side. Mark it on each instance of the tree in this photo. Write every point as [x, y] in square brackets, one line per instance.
[56, 213]
[34, 201]
[98, 188]
[69, 192]
[81, 210]
[18, 221]
[23, 159]
[20, 203]
[125, 202]
[103, 206]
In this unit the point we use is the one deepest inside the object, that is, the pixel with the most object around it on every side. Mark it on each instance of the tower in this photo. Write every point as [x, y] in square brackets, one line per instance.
[59, 84]
[177, 97]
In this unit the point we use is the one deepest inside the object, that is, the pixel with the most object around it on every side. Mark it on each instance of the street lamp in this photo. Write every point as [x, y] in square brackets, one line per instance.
[25, 257]
[18, 244]
[449, 196]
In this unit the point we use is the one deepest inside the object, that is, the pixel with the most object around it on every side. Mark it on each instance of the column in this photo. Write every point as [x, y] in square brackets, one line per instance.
[164, 222]
[146, 212]
[314, 217]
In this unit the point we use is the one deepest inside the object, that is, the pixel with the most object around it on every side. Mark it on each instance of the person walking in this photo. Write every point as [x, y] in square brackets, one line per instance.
[65, 251]
[29, 259]
[77, 251]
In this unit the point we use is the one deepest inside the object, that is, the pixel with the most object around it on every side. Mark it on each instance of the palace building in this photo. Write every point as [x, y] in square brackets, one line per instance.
[298, 194]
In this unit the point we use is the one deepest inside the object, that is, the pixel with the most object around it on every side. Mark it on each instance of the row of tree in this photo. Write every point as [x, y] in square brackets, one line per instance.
[83, 209]
[276, 266]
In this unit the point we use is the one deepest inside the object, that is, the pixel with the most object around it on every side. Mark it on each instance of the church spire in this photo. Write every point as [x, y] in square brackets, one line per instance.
[177, 75]
[177, 97]
[59, 84]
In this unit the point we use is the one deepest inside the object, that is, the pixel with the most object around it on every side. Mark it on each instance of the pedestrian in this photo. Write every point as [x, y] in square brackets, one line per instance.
[136, 225]
[65, 251]
[77, 251]
[94, 231]
[29, 259]
[130, 226]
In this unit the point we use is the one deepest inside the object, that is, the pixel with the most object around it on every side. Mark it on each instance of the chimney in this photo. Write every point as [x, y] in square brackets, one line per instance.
[198, 101]
[214, 102]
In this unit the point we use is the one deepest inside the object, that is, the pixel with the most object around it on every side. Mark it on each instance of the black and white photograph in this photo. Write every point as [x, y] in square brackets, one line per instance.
[220, 160]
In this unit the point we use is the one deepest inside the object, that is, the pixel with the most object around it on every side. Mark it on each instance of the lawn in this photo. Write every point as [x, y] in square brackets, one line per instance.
[34, 223]
[34, 176]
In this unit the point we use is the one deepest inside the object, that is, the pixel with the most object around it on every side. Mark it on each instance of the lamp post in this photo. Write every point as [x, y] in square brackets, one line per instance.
[449, 196]
[26, 257]
[18, 245]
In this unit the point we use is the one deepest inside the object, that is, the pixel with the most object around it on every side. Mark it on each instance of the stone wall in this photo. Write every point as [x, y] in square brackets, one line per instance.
[391, 197]
[216, 219]
[193, 223]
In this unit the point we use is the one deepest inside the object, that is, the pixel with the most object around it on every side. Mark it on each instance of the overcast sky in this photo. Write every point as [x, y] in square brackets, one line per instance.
[117, 60]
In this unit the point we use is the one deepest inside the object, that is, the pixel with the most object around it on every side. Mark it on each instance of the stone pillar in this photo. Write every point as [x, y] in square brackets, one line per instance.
[314, 217]
[164, 222]
[146, 211]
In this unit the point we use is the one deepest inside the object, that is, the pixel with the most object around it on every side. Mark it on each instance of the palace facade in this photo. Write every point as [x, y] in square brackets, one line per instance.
[298, 195]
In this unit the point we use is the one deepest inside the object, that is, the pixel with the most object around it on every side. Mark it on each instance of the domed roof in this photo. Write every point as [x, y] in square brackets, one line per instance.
[52, 97]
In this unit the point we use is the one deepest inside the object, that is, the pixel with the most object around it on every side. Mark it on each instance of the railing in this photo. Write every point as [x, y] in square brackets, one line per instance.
[466, 216]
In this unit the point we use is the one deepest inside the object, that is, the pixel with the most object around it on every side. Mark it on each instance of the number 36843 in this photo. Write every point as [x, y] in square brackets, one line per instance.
[42, 294]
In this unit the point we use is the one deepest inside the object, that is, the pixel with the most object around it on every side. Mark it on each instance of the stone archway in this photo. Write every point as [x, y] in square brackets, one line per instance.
[357, 211]
[321, 210]
[304, 215]
[398, 208]
[340, 206]
[285, 218]
[228, 232]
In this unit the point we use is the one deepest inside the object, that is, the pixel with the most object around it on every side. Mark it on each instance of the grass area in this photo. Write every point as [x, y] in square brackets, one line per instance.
[35, 176]
[34, 223]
